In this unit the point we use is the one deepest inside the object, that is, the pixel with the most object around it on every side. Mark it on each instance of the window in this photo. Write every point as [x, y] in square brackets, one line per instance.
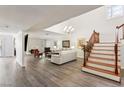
[115, 11]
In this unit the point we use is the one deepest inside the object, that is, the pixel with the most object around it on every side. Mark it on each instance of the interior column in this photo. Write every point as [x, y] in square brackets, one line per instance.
[19, 43]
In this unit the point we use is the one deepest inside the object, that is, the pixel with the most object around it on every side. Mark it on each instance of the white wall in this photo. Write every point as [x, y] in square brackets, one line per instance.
[122, 53]
[36, 38]
[7, 45]
[49, 43]
[36, 43]
[19, 42]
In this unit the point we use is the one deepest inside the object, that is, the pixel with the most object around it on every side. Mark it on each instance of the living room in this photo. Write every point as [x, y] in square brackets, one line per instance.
[74, 39]
[48, 44]
[72, 30]
[75, 45]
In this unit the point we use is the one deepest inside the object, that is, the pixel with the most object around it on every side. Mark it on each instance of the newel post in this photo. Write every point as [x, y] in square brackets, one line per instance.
[84, 64]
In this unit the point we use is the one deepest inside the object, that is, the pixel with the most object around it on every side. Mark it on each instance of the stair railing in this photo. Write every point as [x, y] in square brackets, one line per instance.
[116, 46]
[88, 47]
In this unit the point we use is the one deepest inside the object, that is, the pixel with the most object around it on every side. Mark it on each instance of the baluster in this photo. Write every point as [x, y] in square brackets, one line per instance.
[116, 50]
[84, 64]
[89, 46]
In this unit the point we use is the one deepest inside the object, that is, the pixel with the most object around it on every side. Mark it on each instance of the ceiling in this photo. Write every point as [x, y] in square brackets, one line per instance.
[36, 17]
[45, 35]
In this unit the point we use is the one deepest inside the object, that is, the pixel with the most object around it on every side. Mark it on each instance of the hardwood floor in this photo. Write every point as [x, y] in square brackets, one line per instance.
[42, 73]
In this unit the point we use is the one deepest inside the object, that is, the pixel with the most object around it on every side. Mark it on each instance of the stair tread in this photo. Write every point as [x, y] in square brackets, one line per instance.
[104, 61]
[101, 70]
[104, 46]
[104, 64]
[103, 58]
[104, 49]
[107, 42]
[104, 54]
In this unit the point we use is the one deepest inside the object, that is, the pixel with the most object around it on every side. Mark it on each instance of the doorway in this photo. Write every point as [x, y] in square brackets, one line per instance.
[6, 45]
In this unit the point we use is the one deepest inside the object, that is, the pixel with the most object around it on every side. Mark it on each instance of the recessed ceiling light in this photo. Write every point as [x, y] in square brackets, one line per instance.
[69, 27]
[65, 28]
[72, 29]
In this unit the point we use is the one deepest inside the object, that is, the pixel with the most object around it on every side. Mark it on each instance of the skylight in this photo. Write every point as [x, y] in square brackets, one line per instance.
[115, 11]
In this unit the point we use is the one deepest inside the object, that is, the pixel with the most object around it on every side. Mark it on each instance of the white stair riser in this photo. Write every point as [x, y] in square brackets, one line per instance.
[102, 67]
[113, 77]
[104, 44]
[103, 56]
[100, 44]
[103, 51]
[102, 61]
[111, 48]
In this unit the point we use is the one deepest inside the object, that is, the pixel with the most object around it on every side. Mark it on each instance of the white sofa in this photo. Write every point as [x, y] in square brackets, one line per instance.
[63, 56]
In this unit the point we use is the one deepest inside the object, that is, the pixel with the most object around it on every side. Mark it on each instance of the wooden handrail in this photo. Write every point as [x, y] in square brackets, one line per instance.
[87, 48]
[118, 27]
[116, 48]
[121, 26]
[116, 53]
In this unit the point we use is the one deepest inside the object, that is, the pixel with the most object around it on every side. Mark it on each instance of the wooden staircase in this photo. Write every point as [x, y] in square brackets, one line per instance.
[101, 61]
